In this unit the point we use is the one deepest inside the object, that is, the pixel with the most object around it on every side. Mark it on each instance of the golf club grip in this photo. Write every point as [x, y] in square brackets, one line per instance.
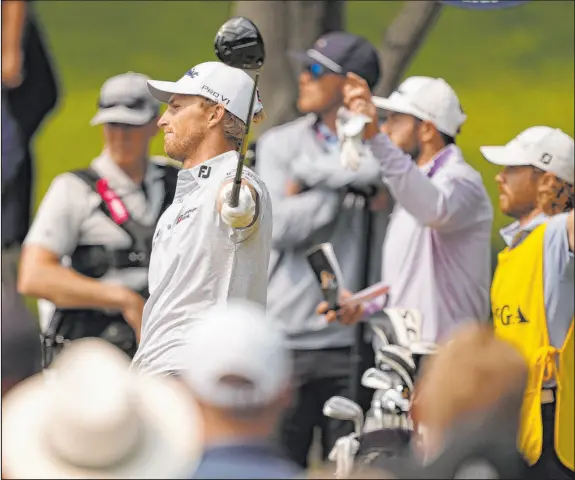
[243, 148]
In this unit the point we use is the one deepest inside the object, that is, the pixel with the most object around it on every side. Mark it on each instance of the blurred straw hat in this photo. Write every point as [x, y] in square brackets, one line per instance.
[92, 418]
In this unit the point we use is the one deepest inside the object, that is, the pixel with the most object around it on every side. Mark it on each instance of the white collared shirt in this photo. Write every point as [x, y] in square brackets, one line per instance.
[198, 261]
[69, 216]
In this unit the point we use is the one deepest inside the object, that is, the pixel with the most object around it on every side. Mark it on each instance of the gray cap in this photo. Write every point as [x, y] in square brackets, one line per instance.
[125, 99]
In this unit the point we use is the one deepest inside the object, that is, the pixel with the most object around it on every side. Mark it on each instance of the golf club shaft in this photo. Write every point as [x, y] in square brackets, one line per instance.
[244, 146]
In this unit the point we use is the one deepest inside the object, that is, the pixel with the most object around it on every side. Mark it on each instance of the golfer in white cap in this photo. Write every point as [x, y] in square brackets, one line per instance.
[91, 418]
[437, 251]
[204, 251]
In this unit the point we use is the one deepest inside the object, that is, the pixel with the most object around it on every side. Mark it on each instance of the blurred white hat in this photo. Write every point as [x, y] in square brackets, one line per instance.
[92, 418]
[216, 81]
[426, 98]
[549, 149]
[237, 358]
[125, 99]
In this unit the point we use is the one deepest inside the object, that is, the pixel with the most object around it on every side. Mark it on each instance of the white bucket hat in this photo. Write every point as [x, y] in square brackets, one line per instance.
[92, 418]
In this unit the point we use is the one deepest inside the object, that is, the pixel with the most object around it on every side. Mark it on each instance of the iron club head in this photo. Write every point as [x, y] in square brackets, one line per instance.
[343, 408]
[376, 379]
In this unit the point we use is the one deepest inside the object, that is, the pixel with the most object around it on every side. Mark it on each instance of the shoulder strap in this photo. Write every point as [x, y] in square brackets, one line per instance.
[170, 183]
[90, 177]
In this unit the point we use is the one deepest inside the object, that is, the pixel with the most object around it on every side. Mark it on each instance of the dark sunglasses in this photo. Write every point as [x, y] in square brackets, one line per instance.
[317, 70]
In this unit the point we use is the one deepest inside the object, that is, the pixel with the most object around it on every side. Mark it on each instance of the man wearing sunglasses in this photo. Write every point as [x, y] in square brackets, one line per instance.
[100, 221]
[315, 199]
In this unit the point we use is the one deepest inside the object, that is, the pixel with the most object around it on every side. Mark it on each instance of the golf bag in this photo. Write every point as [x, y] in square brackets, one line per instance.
[387, 427]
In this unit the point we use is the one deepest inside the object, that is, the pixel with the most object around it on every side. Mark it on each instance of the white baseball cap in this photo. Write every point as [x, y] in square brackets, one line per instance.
[426, 98]
[89, 417]
[549, 149]
[216, 81]
[236, 342]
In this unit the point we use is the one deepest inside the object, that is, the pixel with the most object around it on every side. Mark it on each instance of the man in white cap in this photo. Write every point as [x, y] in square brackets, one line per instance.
[91, 418]
[239, 370]
[532, 292]
[204, 251]
[437, 251]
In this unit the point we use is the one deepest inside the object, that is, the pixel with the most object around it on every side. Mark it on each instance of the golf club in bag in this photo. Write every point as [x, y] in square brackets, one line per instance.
[345, 448]
[239, 44]
[388, 426]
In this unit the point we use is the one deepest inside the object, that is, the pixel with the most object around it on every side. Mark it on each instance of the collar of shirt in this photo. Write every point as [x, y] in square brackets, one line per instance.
[119, 180]
[327, 139]
[190, 178]
[438, 160]
[325, 134]
[511, 232]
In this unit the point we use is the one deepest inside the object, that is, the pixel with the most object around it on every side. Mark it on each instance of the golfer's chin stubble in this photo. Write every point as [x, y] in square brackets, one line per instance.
[172, 150]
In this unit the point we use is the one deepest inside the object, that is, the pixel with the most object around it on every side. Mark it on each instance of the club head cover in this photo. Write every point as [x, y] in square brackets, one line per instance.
[406, 325]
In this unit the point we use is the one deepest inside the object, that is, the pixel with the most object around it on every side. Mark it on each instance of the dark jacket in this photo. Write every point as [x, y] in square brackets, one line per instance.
[20, 340]
[29, 104]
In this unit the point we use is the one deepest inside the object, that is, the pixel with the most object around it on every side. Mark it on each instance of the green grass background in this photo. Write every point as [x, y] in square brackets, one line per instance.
[512, 68]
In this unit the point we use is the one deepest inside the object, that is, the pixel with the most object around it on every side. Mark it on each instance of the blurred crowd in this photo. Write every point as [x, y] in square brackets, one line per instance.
[244, 393]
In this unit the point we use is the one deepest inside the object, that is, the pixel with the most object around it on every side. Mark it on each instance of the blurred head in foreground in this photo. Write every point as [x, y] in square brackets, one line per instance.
[474, 376]
[239, 371]
[91, 418]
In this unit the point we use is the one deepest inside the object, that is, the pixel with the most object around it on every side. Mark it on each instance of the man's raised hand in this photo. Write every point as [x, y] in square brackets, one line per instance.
[357, 99]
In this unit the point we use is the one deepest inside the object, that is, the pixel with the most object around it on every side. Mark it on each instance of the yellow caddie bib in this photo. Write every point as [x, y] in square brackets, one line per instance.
[518, 308]
[564, 426]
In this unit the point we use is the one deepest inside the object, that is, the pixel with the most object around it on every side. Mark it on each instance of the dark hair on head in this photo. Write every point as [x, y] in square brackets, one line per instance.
[447, 140]
[571, 200]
